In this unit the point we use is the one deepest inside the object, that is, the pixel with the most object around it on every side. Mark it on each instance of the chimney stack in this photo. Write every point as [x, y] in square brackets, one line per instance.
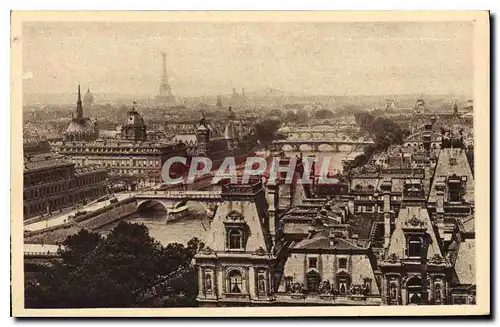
[386, 188]
[440, 188]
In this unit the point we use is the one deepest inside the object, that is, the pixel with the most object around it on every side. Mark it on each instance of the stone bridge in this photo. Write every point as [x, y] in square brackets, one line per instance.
[172, 199]
[314, 145]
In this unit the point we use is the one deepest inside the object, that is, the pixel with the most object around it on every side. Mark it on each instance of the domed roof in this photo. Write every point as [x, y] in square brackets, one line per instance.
[134, 119]
[89, 97]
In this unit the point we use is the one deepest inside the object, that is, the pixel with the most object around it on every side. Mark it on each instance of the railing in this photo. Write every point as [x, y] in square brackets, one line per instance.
[181, 194]
[41, 254]
[326, 141]
[369, 299]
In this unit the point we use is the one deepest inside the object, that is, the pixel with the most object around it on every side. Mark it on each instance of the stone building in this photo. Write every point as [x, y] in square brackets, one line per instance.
[134, 128]
[131, 160]
[130, 163]
[51, 182]
[237, 266]
[400, 233]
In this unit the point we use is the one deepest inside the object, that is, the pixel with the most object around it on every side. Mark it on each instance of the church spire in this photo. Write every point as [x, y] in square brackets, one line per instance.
[79, 108]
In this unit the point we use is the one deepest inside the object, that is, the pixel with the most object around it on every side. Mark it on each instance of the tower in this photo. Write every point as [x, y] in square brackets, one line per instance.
[455, 109]
[229, 137]
[79, 107]
[134, 128]
[203, 137]
[88, 100]
[164, 92]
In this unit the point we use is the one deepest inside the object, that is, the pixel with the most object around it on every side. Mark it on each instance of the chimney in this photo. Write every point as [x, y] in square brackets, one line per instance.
[350, 206]
[386, 188]
[273, 211]
[440, 188]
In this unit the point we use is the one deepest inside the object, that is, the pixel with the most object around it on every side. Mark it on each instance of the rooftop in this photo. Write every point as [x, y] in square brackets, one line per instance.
[44, 161]
[453, 161]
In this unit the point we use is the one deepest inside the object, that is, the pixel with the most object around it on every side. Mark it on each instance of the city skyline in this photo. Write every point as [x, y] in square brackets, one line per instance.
[213, 58]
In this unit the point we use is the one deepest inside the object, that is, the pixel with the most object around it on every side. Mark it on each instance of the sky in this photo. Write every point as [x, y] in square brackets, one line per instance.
[212, 58]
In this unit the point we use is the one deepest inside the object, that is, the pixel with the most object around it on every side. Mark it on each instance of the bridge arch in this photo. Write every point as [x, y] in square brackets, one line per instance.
[153, 207]
[345, 148]
[306, 147]
[325, 147]
[287, 147]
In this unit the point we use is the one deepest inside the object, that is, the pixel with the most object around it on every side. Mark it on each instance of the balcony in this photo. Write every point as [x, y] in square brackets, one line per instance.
[328, 299]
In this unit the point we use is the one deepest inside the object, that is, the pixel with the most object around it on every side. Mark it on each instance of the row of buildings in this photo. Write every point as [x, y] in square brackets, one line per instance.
[132, 160]
[400, 233]
[52, 183]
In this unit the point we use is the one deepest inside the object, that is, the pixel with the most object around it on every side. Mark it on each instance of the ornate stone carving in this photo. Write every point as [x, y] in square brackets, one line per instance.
[414, 222]
[297, 288]
[393, 258]
[325, 287]
[437, 259]
[234, 216]
[260, 251]
[207, 250]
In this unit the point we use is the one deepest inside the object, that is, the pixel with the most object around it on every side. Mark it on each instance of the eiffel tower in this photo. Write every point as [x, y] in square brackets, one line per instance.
[164, 92]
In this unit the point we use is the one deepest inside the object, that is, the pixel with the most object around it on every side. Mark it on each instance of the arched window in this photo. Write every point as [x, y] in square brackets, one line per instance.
[235, 282]
[235, 239]
[313, 279]
[415, 291]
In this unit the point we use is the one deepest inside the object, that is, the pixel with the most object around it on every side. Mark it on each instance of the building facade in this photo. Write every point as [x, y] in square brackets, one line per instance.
[132, 160]
[52, 183]
[401, 233]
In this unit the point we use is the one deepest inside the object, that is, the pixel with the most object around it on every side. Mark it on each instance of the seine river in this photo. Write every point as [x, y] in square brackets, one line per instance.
[180, 231]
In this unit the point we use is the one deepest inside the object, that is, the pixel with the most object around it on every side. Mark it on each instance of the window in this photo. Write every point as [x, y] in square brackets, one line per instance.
[342, 263]
[415, 248]
[235, 282]
[235, 239]
[453, 161]
[261, 284]
[313, 279]
[342, 284]
[208, 283]
[313, 262]
[367, 286]
[455, 196]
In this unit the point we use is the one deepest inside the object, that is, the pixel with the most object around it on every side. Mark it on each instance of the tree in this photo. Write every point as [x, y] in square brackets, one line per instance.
[323, 114]
[111, 271]
[384, 132]
[264, 132]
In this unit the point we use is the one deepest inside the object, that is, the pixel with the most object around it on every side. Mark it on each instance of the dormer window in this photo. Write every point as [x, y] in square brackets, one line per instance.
[236, 231]
[453, 161]
[235, 239]
[414, 247]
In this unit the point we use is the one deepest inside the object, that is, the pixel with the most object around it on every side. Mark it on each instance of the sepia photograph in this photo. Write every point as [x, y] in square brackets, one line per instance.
[250, 163]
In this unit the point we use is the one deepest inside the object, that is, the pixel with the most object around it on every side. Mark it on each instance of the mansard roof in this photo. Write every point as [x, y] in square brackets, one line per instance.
[465, 262]
[460, 168]
[409, 216]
